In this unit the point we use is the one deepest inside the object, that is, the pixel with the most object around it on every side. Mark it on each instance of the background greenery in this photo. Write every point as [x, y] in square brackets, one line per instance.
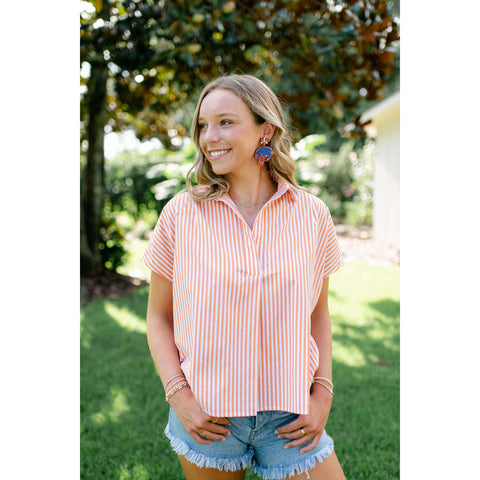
[123, 411]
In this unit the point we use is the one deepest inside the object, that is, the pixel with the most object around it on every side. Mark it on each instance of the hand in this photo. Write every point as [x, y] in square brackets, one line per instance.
[202, 427]
[308, 428]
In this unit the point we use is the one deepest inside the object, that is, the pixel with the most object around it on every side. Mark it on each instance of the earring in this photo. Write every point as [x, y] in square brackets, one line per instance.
[264, 152]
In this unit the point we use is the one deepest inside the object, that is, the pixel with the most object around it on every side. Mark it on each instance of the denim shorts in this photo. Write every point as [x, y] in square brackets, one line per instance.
[252, 443]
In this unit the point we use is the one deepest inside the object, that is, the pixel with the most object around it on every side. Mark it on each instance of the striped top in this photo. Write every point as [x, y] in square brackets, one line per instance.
[243, 298]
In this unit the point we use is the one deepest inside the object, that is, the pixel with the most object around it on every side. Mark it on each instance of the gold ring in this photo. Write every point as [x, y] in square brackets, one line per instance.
[216, 420]
[303, 431]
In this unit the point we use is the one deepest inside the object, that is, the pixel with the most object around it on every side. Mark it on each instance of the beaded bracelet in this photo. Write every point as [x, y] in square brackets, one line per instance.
[175, 382]
[175, 389]
[173, 378]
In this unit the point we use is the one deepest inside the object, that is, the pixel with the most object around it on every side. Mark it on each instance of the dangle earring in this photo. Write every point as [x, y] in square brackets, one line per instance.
[264, 152]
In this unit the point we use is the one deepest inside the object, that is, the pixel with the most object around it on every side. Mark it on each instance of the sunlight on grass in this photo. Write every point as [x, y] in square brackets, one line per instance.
[351, 356]
[125, 318]
[118, 406]
[133, 265]
[139, 472]
[85, 336]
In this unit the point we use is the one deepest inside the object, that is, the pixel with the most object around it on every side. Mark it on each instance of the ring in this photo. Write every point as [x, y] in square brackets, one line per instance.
[303, 431]
[216, 420]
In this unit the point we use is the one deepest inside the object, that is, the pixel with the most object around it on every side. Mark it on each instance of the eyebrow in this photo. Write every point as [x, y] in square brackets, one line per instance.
[226, 114]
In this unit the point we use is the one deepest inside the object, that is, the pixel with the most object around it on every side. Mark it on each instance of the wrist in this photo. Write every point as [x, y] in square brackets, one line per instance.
[321, 391]
[180, 396]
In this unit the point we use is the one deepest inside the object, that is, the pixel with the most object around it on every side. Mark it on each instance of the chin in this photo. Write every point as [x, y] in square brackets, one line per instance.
[220, 169]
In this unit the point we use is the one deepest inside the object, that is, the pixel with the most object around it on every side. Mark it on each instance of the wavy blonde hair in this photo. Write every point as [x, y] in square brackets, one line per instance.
[265, 107]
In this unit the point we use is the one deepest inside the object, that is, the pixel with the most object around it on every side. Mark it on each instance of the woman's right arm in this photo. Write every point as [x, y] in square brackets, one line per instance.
[165, 356]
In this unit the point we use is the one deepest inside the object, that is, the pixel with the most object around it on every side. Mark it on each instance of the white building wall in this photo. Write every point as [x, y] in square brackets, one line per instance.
[386, 204]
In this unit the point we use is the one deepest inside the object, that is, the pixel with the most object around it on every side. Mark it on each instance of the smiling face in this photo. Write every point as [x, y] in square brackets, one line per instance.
[228, 133]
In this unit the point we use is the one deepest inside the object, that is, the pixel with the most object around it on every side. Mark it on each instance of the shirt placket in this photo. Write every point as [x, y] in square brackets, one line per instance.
[253, 246]
[253, 273]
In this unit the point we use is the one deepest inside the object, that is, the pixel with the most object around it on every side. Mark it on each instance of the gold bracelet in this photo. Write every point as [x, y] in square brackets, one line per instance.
[173, 378]
[326, 379]
[175, 382]
[175, 389]
[324, 386]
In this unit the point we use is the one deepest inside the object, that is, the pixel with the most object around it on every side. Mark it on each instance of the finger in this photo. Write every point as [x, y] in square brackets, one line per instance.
[298, 423]
[213, 427]
[220, 420]
[208, 434]
[200, 439]
[299, 433]
[313, 444]
[301, 441]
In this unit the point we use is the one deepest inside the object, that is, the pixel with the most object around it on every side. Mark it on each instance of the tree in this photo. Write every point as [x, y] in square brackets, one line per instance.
[326, 60]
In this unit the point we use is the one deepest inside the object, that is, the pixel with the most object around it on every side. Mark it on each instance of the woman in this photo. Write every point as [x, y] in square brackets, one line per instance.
[238, 323]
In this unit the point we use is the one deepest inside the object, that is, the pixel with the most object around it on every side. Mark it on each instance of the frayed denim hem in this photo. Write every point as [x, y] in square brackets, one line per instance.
[204, 461]
[282, 471]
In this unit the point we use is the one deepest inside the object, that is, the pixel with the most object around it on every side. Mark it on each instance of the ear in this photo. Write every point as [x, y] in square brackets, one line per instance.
[268, 130]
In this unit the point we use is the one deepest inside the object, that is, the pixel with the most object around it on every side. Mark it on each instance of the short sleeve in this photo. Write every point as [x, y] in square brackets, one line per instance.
[332, 252]
[160, 252]
[328, 256]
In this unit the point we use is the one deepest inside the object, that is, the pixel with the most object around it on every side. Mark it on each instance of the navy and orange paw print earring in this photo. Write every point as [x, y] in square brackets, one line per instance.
[264, 152]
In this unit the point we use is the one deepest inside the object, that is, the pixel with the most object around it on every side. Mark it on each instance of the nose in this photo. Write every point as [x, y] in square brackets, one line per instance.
[211, 134]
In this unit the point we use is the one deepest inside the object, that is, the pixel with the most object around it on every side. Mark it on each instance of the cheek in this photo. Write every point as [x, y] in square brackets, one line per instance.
[201, 142]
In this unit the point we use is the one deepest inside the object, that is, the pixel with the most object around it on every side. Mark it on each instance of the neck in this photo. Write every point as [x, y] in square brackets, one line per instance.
[252, 190]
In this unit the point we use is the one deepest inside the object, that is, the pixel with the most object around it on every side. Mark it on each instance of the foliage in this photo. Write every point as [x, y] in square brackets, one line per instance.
[359, 210]
[124, 413]
[137, 186]
[111, 246]
[343, 180]
[326, 59]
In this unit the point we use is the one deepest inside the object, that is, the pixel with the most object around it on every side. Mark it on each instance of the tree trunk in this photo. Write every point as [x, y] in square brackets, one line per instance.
[93, 179]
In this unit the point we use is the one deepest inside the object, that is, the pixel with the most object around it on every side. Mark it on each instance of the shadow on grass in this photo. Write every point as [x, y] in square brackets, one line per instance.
[365, 417]
[124, 413]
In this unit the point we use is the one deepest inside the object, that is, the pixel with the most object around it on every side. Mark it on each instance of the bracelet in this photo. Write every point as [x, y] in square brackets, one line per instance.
[324, 386]
[324, 378]
[175, 382]
[175, 389]
[173, 378]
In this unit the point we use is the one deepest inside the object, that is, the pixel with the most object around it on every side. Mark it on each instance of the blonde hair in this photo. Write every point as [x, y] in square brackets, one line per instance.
[265, 107]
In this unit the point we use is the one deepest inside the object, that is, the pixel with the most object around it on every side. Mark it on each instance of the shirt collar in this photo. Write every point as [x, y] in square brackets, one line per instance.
[286, 187]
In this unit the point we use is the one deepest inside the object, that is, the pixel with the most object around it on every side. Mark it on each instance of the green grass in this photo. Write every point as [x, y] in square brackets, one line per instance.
[123, 411]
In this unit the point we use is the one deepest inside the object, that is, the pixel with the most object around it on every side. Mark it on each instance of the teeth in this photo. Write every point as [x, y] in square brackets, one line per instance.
[217, 153]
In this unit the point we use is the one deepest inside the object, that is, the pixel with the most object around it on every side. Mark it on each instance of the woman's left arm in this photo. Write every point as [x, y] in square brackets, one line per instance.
[314, 423]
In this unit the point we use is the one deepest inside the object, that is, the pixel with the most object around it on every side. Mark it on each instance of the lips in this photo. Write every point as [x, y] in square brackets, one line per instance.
[215, 154]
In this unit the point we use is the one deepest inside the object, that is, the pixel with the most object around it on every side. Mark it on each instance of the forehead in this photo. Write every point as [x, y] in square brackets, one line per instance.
[221, 101]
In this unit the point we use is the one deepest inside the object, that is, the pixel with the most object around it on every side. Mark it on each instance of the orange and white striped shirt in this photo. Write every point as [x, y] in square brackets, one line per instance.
[242, 298]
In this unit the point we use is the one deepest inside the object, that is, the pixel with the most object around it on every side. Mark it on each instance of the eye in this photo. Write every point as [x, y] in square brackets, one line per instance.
[201, 126]
[226, 122]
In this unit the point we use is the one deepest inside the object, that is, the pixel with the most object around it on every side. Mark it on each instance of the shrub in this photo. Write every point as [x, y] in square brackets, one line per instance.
[343, 180]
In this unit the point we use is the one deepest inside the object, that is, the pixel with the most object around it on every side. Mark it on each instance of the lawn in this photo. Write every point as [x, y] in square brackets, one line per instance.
[123, 410]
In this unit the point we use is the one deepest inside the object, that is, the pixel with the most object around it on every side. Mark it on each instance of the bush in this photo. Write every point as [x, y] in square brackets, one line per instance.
[112, 246]
[137, 186]
[343, 180]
